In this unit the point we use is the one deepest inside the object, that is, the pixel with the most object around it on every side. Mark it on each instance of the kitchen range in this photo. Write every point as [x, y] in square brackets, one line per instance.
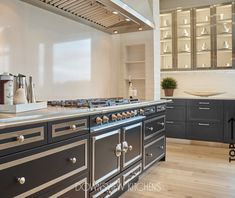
[100, 145]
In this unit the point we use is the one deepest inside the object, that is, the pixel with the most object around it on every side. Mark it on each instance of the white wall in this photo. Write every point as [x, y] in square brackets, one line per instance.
[65, 58]
[218, 81]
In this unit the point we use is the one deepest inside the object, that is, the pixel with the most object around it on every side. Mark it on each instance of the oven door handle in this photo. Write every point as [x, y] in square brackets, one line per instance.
[125, 147]
[118, 150]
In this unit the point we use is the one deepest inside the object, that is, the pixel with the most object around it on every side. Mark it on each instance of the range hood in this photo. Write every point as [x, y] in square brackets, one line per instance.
[110, 16]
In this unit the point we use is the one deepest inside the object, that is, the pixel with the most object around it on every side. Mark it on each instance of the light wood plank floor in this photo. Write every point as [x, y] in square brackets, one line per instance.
[191, 171]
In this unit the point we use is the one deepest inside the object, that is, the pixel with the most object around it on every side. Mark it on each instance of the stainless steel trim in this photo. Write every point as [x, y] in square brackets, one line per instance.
[118, 181]
[156, 132]
[94, 139]
[43, 154]
[117, 123]
[148, 145]
[19, 133]
[170, 107]
[125, 164]
[83, 181]
[68, 124]
[169, 122]
[131, 171]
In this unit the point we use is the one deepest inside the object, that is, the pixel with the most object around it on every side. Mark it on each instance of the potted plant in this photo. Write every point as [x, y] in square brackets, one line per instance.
[169, 84]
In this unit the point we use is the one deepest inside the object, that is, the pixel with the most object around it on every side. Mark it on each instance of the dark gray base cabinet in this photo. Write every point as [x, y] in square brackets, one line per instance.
[229, 123]
[175, 129]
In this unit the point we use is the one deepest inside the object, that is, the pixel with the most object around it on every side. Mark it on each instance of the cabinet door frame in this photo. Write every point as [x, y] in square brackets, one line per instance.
[125, 129]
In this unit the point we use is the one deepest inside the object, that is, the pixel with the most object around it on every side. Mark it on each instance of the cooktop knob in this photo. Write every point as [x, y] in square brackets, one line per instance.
[132, 113]
[141, 112]
[128, 114]
[114, 117]
[119, 116]
[98, 120]
[124, 115]
[105, 119]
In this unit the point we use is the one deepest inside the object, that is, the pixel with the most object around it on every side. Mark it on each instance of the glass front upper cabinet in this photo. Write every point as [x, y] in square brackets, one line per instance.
[224, 36]
[184, 39]
[166, 27]
[203, 42]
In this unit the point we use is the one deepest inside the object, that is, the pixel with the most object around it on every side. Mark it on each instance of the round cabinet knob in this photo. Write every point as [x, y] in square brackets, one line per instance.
[162, 147]
[98, 120]
[119, 116]
[105, 119]
[149, 154]
[114, 117]
[21, 180]
[73, 127]
[150, 128]
[128, 114]
[141, 112]
[124, 115]
[130, 148]
[73, 160]
[20, 138]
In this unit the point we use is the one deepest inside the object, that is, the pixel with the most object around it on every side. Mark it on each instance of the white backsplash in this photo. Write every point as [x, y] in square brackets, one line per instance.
[218, 81]
[66, 59]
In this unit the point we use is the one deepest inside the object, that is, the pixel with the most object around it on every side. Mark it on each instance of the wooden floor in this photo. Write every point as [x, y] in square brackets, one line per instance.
[191, 171]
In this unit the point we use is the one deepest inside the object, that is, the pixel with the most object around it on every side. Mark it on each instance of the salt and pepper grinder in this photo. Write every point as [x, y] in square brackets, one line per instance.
[6, 89]
[31, 91]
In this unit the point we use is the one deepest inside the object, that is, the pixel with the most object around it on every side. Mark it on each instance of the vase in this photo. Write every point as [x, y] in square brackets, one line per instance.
[169, 92]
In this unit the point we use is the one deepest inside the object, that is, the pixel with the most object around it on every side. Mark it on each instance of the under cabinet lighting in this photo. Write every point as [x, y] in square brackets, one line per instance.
[115, 12]
[140, 29]
[127, 19]
[115, 31]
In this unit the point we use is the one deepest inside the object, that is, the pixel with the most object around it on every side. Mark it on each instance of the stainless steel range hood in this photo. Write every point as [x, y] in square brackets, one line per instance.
[111, 16]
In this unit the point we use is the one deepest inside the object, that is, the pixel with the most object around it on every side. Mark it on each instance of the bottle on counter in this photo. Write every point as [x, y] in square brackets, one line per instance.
[6, 88]
[31, 91]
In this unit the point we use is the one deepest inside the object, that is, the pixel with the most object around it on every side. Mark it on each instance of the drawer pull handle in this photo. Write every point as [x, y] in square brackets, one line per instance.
[118, 150]
[161, 123]
[203, 124]
[134, 174]
[20, 138]
[161, 147]
[73, 127]
[21, 180]
[149, 155]
[125, 147]
[130, 148]
[170, 107]
[204, 103]
[169, 122]
[73, 160]
[150, 128]
[204, 108]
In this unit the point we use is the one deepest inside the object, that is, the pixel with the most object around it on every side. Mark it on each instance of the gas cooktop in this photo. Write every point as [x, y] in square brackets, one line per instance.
[92, 103]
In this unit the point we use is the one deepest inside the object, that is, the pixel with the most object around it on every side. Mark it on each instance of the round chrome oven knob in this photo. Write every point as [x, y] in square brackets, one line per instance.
[114, 117]
[105, 119]
[73, 160]
[20, 138]
[98, 120]
[119, 116]
[21, 180]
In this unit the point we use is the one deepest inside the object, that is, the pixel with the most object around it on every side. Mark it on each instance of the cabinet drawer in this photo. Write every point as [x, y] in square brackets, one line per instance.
[131, 174]
[207, 103]
[65, 129]
[30, 172]
[73, 187]
[13, 140]
[175, 129]
[176, 113]
[176, 102]
[205, 113]
[154, 151]
[205, 131]
[154, 126]
[110, 189]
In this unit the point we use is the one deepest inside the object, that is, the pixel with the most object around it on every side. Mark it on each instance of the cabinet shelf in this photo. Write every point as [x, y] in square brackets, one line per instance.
[225, 50]
[224, 21]
[168, 54]
[134, 78]
[224, 34]
[135, 62]
[203, 24]
[166, 28]
[204, 52]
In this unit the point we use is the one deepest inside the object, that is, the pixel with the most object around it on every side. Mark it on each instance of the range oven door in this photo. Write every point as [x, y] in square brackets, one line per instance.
[106, 153]
[131, 144]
